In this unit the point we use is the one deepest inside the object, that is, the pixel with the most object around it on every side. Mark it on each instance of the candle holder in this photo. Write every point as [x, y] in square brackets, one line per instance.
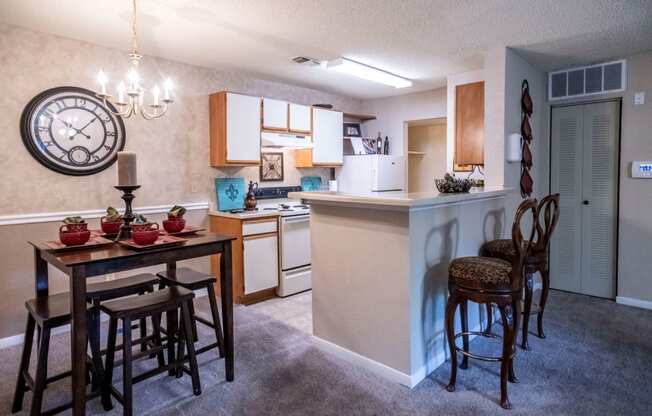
[128, 217]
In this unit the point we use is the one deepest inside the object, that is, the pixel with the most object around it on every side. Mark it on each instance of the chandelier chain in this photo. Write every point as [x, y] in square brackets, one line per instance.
[133, 29]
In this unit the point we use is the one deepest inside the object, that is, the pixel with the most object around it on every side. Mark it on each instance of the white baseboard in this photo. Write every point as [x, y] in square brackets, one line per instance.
[388, 373]
[638, 303]
[13, 340]
[349, 356]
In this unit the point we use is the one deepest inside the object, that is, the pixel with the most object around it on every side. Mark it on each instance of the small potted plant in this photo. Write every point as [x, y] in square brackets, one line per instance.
[175, 221]
[111, 222]
[74, 231]
[144, 232]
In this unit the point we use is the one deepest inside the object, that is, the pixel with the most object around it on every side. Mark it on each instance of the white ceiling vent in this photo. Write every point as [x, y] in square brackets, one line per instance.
[588, 80]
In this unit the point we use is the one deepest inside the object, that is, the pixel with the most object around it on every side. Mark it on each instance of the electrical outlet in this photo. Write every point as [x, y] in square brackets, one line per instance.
[639, 98]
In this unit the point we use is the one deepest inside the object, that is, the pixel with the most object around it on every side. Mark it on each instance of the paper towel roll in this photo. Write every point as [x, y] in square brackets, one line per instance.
[514, 149]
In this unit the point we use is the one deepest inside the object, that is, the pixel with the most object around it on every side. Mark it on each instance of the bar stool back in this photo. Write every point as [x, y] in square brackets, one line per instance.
[536, 260]
[488, 280]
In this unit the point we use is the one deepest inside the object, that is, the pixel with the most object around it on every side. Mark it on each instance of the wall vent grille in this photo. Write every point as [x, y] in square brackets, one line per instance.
[587, 80]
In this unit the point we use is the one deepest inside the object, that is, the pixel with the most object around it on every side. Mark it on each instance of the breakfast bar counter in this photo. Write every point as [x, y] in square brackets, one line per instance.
[380, 272]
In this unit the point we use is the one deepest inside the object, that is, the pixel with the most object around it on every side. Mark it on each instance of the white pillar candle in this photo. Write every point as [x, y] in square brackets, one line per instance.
[127, 169]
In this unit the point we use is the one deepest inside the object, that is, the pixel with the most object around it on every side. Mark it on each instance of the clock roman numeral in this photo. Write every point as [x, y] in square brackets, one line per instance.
[81, 102]
[107, 147]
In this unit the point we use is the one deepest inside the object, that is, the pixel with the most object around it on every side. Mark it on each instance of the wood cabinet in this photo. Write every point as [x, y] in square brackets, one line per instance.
[275, 115]
[300, 119]
[327, 138]
[254, 256]
[234, 125]
[469, 124]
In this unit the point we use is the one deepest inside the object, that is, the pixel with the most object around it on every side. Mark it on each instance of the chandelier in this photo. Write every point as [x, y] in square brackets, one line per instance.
[131, 95]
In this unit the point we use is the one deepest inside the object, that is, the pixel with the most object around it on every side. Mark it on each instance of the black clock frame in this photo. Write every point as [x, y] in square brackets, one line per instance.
[25, 131]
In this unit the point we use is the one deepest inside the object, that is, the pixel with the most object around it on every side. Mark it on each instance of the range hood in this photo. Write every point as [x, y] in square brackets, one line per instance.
[285, 140]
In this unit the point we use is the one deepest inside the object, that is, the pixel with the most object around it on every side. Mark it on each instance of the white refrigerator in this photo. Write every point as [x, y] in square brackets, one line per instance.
[371, 173]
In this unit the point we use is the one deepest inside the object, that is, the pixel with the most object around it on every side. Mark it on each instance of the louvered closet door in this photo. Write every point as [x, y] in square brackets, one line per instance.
[566, 178]
[600, 190]
[584, 163]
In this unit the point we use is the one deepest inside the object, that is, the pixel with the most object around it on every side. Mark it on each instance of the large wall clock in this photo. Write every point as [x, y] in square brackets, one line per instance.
[69, 130]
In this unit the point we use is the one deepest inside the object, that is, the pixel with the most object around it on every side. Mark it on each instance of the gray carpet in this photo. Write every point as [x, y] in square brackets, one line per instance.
[596, 361]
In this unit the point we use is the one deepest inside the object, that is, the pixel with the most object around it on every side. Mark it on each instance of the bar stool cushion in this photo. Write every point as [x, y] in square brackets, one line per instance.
[52, 309]
[480, 273]
[142, 304]
[187, 278]
[501, 249]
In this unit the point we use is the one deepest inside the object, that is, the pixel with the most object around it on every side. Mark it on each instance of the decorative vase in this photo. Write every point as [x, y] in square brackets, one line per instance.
[144, 234]
[250, 200]
[110, 227]
[73, 235]
[174, 224]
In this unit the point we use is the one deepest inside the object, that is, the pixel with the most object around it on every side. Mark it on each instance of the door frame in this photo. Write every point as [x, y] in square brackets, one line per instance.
[579, 102]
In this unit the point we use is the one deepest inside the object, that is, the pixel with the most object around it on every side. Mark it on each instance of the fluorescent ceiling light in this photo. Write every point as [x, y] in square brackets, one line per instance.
[369, 73]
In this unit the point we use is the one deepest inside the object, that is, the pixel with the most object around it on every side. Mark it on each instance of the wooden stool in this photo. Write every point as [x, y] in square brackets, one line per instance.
[150, 305]
[488, 280]
[54, 311]
[193, 280]
[536, 260]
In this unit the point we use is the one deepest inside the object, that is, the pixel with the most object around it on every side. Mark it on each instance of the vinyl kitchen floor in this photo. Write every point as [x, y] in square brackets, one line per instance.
[595, 361]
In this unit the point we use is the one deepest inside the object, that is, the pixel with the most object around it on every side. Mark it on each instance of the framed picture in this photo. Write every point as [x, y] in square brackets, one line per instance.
[352, 130]
[271, 166]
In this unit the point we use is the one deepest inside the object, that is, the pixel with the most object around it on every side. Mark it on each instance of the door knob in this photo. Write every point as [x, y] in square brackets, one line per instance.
[585, 202]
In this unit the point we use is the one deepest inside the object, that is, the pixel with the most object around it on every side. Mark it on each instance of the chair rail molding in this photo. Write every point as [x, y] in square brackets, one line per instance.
[94, 213]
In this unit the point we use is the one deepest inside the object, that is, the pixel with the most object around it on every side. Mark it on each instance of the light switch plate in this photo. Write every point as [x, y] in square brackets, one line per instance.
[639, 98]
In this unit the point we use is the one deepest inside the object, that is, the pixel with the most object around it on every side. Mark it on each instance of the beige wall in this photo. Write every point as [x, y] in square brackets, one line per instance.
[173, 151]
[634, 226]
[635, 223]
[424, 169]
[394, 112]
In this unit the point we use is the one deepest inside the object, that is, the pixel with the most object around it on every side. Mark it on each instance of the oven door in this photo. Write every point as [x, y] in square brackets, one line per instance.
[295, 241]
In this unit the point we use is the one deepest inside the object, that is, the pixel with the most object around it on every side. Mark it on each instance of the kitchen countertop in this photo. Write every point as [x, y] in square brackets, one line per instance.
[243, 215]
[398, 200]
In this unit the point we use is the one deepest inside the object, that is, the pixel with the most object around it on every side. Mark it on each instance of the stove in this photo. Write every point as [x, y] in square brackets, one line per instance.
[274, 200]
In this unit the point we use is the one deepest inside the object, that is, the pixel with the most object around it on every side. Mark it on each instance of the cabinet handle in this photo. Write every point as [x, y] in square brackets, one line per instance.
[585, 202]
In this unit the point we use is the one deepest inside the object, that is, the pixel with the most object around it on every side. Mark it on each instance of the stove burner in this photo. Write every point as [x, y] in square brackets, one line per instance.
[286, 209]
[284, 206]
[300, 206]
[269, 209]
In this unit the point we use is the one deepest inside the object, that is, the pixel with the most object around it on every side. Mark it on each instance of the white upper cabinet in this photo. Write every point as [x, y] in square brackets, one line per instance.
[300, 118]
[242, 128]
[275, 114]
[327, 137]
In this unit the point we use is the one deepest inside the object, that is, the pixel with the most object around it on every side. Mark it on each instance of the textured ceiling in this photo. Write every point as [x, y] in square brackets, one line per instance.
[419, 39]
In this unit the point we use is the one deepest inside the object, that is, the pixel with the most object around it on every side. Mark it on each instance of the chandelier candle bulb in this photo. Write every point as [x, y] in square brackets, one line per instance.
[102, 79]
[121, 93]
[127, 169]
[155, 93]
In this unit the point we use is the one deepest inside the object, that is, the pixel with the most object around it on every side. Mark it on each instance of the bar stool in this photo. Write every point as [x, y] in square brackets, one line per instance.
[53, 311]
[535, 261]
[149, 305]
[194, 280]
[488, 280]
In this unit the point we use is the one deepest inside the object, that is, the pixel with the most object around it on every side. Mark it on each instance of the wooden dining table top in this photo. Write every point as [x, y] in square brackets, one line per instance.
[94, 256]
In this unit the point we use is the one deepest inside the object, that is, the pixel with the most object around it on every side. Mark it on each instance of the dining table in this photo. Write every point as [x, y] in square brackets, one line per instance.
[81, 263]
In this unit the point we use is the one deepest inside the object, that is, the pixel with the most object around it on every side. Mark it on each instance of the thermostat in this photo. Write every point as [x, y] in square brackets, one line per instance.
[642, 169]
